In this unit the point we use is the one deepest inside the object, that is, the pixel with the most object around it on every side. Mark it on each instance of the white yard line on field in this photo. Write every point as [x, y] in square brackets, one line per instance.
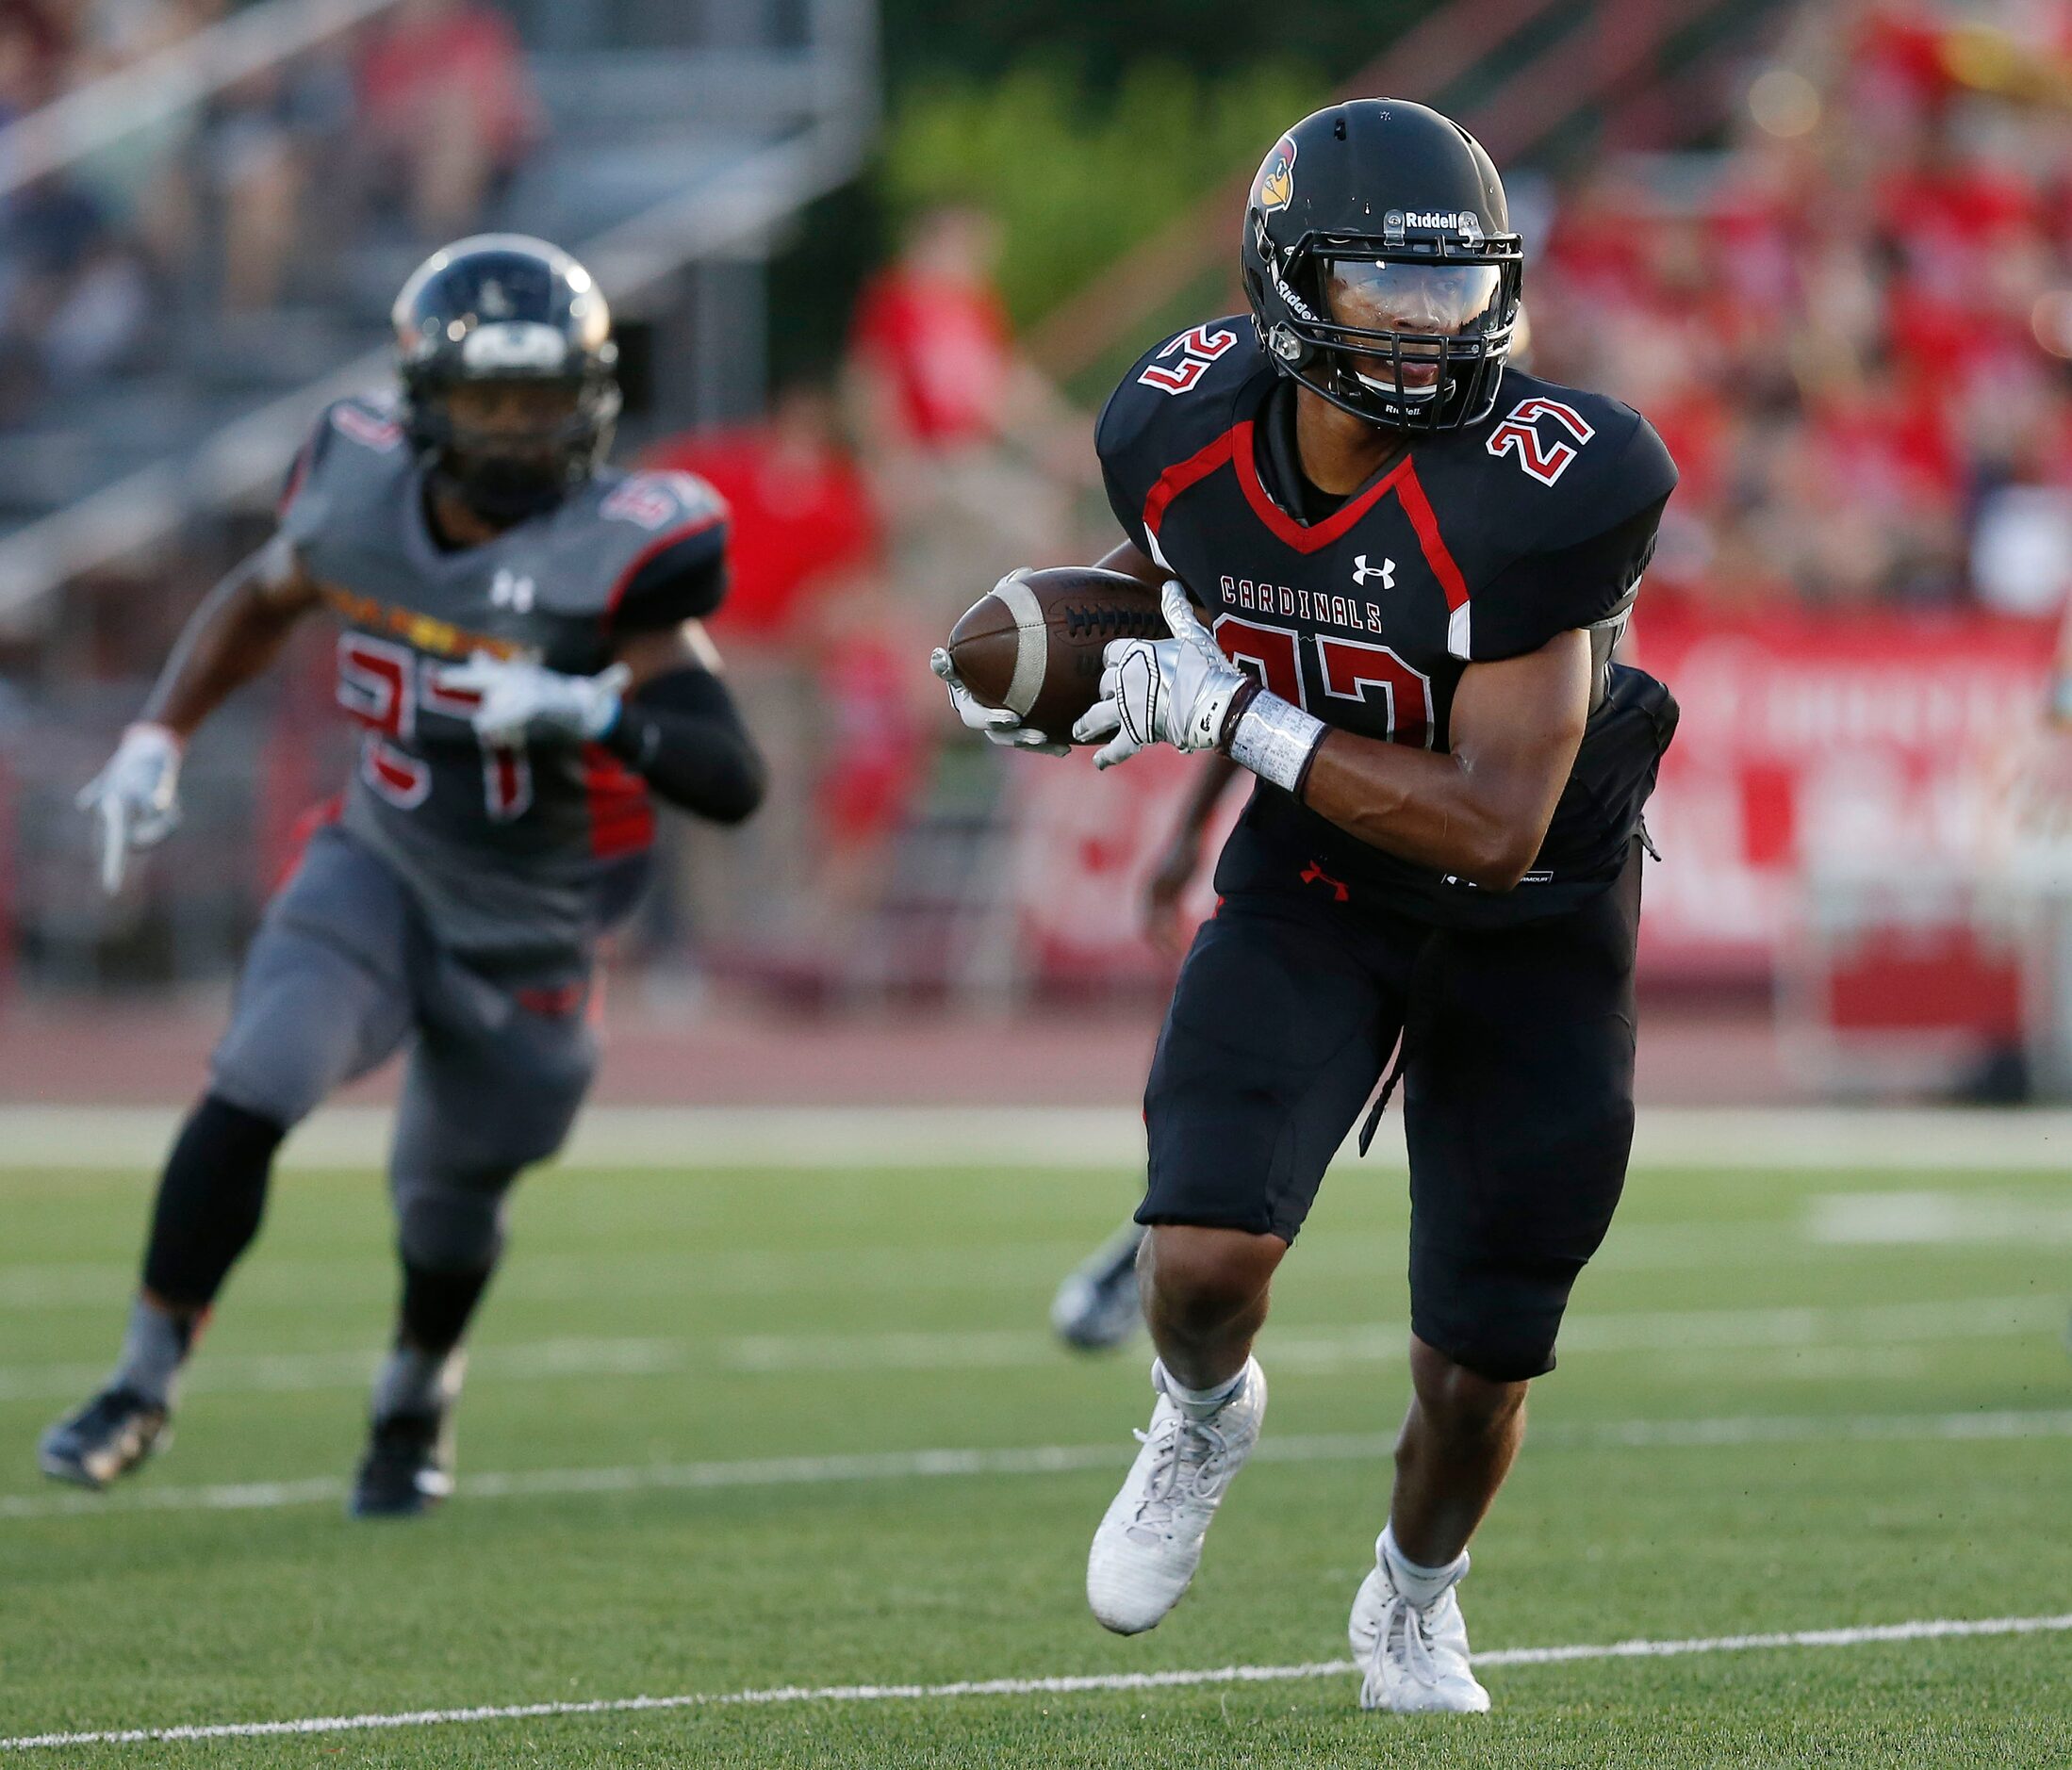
[551, 1275]
[1325, 1349]
[685, 1270]
[1312, 1351]
[1933, 1218]
[250, 1374]
[1807, 1237]
[1053, 1459]
[1927, 1139]
[1940, 1629]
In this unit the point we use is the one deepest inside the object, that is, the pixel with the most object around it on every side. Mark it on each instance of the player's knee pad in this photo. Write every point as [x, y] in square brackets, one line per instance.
[448, 1224]
[210, 1199]
[1496, 1316]
[471, 1116]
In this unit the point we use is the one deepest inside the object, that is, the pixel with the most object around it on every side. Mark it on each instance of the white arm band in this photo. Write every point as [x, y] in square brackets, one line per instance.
[1274, 739]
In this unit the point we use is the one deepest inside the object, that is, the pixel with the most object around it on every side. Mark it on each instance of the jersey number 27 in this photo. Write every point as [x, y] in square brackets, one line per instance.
[384, 685]
[1349, 669]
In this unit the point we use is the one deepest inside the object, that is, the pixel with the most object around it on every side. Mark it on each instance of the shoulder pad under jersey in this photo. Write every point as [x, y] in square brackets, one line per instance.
[662, 539]
[347, 432]
[1176, 399]
[1584, 480]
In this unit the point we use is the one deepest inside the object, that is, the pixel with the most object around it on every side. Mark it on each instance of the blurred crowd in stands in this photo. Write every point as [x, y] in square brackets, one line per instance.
[412, 126]
[1856, 336]
[850, 563]
[1853, 328]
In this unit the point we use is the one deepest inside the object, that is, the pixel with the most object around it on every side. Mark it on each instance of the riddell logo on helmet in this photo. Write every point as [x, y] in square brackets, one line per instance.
[1451, 220]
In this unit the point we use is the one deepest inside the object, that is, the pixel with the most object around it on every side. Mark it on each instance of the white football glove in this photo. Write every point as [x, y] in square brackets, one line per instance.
[137, 795]
[520, 698]
[1173, 691]
[1000, 725]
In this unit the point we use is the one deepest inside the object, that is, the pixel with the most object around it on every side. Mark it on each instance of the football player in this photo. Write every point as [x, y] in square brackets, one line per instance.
[519, 636]
[1394, 567]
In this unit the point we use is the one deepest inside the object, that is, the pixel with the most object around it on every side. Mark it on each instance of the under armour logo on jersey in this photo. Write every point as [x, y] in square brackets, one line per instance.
[1386, 571]
[508, 590]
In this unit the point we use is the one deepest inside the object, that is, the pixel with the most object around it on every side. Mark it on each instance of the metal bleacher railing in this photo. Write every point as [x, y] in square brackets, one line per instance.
[657, 159]
[175, 78]
[680, 137]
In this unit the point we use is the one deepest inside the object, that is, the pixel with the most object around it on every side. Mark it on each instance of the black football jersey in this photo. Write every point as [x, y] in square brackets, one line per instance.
[1474, 545]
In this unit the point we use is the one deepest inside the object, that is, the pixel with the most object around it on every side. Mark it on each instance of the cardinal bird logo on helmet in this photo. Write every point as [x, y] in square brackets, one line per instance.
[1277, 186]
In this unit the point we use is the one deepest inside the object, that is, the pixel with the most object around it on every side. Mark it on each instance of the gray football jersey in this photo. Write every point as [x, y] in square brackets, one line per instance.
[512, 849]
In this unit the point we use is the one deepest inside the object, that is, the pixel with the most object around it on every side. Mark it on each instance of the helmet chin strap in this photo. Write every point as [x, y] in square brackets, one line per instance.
[1388, 390]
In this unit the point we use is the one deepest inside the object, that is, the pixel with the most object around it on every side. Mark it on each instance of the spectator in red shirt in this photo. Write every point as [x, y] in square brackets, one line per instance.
[932, 334]
[802, 516]
[806, 615]
[32, 51]
[447, 112]
[969, 447]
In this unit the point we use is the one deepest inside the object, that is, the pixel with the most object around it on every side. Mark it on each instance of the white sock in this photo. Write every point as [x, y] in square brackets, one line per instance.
[1420, 1584]
[1200, 1403]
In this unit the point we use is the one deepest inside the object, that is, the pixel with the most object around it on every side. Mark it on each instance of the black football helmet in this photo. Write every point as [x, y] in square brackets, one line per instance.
[1380, 266]
[507, 308]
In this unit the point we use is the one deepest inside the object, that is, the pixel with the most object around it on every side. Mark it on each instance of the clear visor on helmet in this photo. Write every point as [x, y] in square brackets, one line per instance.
[1409, 311]
[1449, 300]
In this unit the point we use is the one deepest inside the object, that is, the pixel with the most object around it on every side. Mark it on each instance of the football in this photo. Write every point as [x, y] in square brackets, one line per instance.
[1033, 643]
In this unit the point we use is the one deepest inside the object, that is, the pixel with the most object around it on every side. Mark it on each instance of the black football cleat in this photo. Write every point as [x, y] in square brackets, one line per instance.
[1096, 1309]
[407, 1469]
[114, 1432]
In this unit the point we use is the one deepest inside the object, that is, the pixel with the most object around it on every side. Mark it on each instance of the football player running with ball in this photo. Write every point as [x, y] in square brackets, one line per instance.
[1394, 569]
[517, 634]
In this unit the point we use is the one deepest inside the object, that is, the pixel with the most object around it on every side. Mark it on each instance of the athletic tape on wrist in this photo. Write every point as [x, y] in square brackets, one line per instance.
[1275, 739]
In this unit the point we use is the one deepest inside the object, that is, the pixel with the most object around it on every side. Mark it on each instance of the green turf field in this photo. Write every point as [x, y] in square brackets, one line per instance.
[1782, 1407]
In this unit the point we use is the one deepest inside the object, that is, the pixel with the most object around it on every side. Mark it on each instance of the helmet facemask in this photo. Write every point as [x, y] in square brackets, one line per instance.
[509, 373]
[525, 461]
[1407, 342]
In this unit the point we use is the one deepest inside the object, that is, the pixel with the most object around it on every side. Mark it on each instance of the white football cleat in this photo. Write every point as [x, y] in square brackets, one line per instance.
[1412, 1660]
[1149, 1545]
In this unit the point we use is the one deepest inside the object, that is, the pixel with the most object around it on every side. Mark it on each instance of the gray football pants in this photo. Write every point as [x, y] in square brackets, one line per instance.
[344, 971]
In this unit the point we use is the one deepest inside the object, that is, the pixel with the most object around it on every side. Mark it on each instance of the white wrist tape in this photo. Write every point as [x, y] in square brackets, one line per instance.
[1274, 739]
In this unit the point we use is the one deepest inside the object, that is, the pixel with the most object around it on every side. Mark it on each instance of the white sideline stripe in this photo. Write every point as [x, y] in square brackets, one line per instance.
[1928, 1139]
[1312, 1351]
[1940, 1629]
[1056, 1459]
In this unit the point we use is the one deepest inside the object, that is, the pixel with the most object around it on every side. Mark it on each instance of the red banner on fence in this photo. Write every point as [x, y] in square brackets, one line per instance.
[1809, 743]
[1822, 743]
